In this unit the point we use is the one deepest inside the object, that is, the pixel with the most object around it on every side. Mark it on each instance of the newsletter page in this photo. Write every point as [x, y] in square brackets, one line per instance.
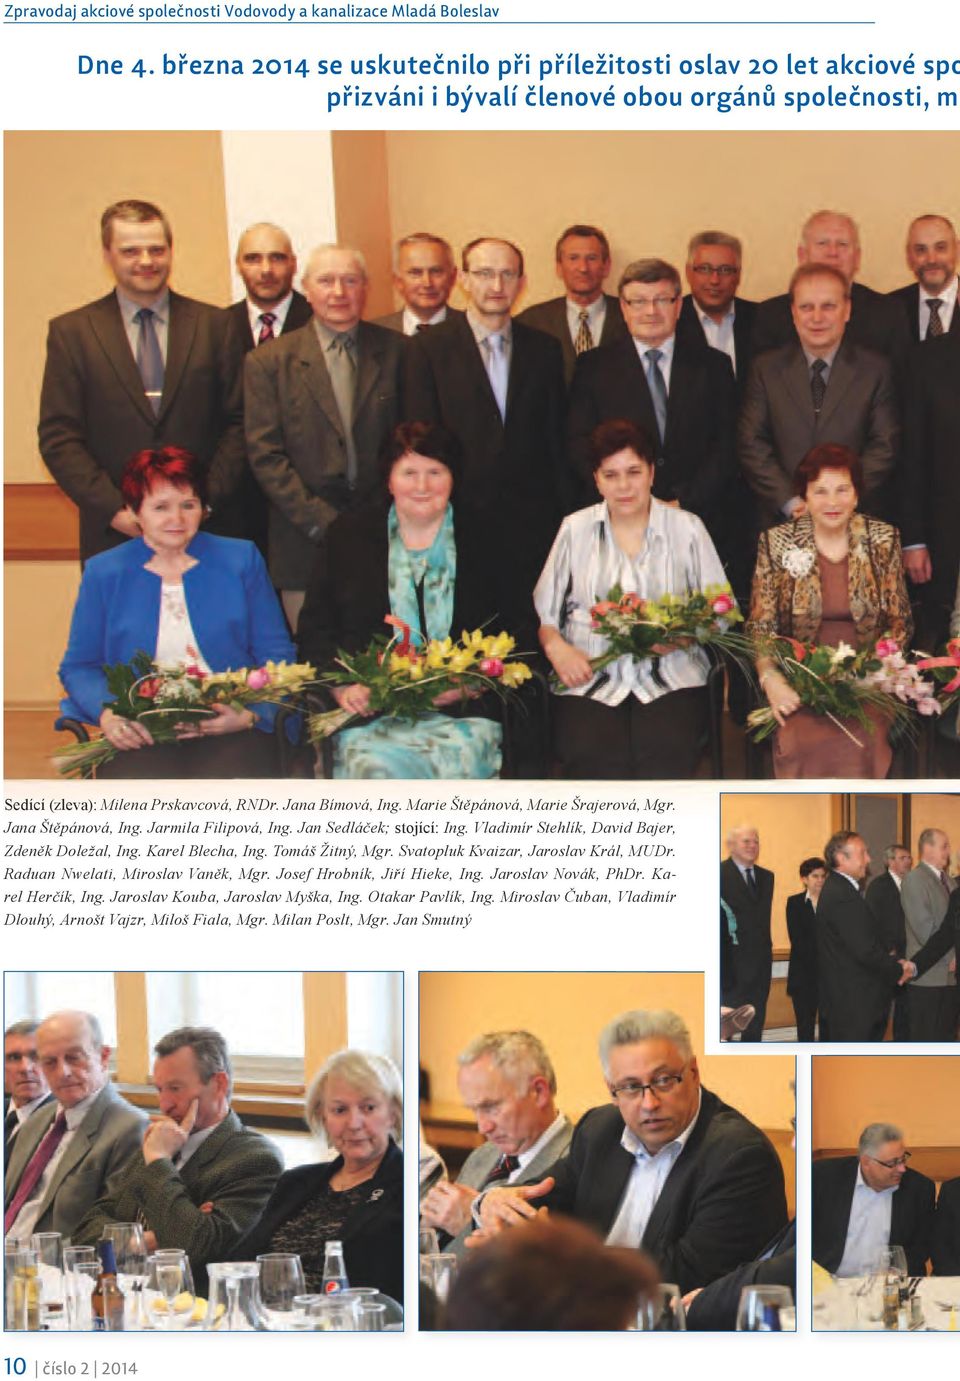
[481, 652]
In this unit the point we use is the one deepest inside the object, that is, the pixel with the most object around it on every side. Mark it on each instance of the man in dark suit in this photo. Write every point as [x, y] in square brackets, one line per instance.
[857, 974]
[668, 1168]
[832, 239]
[946, 1230]
[823, 389]
[498, 385]
[201, 1179]
[932, 996]
[74, 1149]
[585, 316]
[868, 1201]
[272, 306]
[712, 313]
[681, 394]
[319, 403]
[883, 898]
[23, 1080]
[748, 891]
[930, 304]
[929, 482]
[141, 368]
[424, 275]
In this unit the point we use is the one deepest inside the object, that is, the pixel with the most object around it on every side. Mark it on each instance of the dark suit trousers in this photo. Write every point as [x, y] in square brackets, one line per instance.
[931, 1014]
[805, 1010]
[630, 740]
[754, 1032]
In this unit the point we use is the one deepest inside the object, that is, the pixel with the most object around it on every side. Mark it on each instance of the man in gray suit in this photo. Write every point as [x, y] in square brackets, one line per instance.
[424, 274]
[585, 316]
[823, 389]
[507, 1081]
[925, 893]
[319, 403]
[138, 369]
[74, 1150]
[201, 1178]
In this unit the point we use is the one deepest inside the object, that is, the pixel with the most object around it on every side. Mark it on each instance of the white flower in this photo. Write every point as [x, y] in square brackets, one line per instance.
[840, 653]
[797, 562]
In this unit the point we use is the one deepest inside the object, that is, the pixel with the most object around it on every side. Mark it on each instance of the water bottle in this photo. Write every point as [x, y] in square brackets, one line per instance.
[334, 1270]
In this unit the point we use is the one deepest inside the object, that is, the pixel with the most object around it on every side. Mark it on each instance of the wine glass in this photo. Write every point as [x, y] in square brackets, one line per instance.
[662, 1311]
[763, 1308]
[281, 1280]
[169, 1286]
[130, 1253]
[437, 1271]
[233, 1302]
[429, 1243]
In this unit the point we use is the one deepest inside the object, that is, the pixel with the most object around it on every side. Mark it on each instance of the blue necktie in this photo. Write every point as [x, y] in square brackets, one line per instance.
[498, 370]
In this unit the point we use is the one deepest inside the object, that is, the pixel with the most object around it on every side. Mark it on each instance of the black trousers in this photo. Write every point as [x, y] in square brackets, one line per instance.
[931, 1013]
[252, 753]
[630, 741]
[805, 1010]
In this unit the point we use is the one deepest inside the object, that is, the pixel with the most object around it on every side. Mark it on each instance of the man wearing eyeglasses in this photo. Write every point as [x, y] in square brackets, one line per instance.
[498, 385]
[681, 392]
[712, 313]
[667, 1166]
[872, 1200]
[319, 402]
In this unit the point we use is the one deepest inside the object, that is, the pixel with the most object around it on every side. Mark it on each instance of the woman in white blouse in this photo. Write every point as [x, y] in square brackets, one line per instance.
[641, 719]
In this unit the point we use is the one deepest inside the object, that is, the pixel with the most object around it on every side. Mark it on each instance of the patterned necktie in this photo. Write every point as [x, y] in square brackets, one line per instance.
[266, 327]
[934, 325]
[818, 386]
[658, 389]
[34, 1168]
[503, 1169]
[343, 377]
[149, 358]
[498, 370]
[584, 340]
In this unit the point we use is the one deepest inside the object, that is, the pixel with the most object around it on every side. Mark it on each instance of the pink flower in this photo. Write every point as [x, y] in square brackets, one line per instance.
[492, 666]
[258, 679]
[887, 647]
[928, 706]
[722, 604]
[194, 671]
[149, 687]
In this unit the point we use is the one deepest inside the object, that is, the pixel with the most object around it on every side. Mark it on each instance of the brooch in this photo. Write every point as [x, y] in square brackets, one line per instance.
[797, 562]
[377, 1194]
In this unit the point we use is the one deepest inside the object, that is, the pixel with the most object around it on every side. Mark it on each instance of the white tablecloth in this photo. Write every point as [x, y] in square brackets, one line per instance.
[856, 1303]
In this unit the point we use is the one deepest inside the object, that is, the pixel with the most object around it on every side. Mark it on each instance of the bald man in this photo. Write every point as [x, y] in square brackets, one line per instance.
[748, 891]
[930, 304]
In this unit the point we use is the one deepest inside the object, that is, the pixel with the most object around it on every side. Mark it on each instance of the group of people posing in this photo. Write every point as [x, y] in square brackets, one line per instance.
[421, 466]
[862, 954]
[79, 1156]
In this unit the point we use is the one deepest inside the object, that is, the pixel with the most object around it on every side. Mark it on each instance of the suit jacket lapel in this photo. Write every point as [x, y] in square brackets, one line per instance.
[106, 323]
[841, 377]
[79, 1146]
[316, 379]
[478, 380]
[796, 378]
[180, 337]
[209, 1149]
[369, 353]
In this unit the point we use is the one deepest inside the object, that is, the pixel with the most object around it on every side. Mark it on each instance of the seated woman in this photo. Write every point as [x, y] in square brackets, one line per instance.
[184, 597]
[831, 575]
[636, 719]
[415, 554]
[355, 1105]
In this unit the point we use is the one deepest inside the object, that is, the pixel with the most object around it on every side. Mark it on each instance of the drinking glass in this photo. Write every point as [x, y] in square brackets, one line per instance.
[169, 1296]
[281, 1280]
[437, 1271]
[49, 1249]
[662, 1311]
[77, 1285]
[234, 1297]
[429, 1244]
[335, 1313]
[26, 1289]
[130, 1252]
[762, 1309]
[369, 1294]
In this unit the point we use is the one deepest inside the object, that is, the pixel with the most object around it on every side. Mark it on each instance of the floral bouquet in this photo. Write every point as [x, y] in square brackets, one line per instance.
[946, 673]
[639, 628]
[404, 680]
[166, 699]
[844, 684]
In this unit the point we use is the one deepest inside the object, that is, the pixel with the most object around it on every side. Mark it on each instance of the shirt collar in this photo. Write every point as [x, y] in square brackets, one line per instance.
[411, 323]
[481, 332]
[656, 523]
[707, 320]
[846, 876]
[525, 1157]
[129, 308]
[26, 1109]
[896, 877]
[828, 358]
[632, 1143]
[326, 337]
[665, 347]
[862, 1184]
[935, 871]
[78, 1112]
[948, 297]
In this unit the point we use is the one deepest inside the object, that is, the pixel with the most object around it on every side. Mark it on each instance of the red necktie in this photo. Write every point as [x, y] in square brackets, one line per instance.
[266, 327]
[34, 1168]
[503, 1169]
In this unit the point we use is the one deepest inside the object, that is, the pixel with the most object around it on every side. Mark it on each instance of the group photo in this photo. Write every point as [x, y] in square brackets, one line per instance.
[336, 455]
[885, 1193]
[176, 1158]
[839, 917]
[586, 1165]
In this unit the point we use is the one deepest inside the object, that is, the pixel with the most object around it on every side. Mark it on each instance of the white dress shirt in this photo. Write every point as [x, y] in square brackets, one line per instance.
[949, 299]
[530, 1154]
[596, 317]
[278, 311]
[411, 323]
[645, 1185]
[585, 563]
[719, 334]
[868, 1230]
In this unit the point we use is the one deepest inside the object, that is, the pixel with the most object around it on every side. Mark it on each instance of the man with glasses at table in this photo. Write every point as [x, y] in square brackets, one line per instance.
[872, 1200]
[677, 389]
[667, 1166]
[498, 385]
